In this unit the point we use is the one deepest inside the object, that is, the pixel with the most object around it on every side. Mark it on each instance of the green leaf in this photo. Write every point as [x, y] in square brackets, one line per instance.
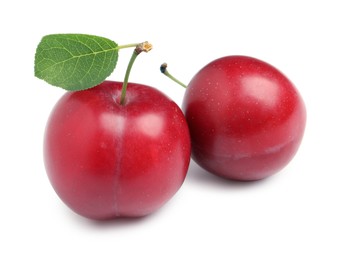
[75, 61]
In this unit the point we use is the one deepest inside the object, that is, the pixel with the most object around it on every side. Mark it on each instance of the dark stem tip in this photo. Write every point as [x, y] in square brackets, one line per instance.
[163, 67]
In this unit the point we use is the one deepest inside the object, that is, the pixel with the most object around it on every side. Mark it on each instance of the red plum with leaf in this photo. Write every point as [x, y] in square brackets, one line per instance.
[111, 149]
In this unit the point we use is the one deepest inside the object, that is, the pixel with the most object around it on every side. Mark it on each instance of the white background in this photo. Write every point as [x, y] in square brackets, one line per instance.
[292, 215]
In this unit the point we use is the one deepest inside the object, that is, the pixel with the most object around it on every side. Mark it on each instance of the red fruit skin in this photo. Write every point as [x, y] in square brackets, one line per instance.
[246, 118]
[107, 160]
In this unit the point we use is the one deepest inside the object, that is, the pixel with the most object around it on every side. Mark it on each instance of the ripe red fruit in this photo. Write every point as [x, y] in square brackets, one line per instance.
[107, 160]
[246, 119]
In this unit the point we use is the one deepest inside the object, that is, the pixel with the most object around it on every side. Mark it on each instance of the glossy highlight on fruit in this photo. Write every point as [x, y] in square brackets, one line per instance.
[107, 160]
[246, 118]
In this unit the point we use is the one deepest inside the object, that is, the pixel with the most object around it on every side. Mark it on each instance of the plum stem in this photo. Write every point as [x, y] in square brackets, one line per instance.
[163, 69]
[141, 47]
